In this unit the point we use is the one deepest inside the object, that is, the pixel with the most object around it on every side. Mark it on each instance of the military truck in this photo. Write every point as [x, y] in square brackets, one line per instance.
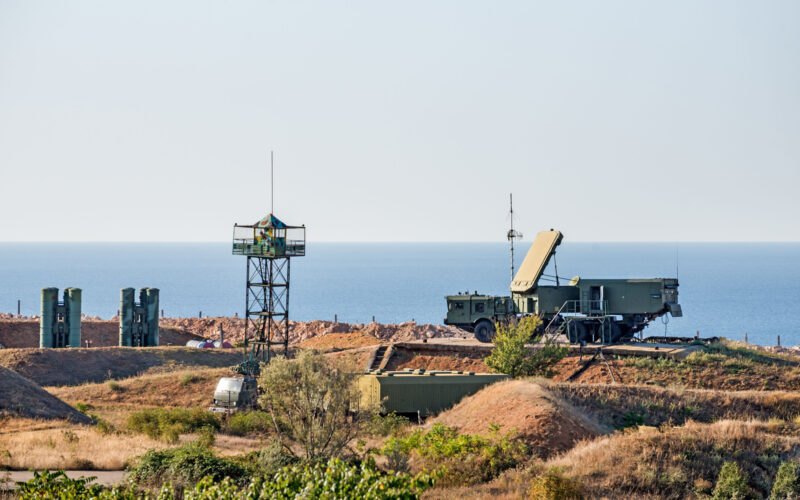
[235, 394]
[583, 310]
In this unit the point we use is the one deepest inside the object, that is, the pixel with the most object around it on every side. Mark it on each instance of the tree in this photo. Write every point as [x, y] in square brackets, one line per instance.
[510, 355]
[313, 404]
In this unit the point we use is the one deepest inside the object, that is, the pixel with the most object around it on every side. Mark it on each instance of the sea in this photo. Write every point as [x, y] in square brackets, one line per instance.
[726, 289]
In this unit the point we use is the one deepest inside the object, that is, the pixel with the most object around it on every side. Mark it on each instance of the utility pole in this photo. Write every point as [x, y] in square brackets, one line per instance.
[512, 234]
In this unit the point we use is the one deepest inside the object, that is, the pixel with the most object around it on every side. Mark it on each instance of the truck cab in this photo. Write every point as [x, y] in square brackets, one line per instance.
[478, 313]
[234, 394]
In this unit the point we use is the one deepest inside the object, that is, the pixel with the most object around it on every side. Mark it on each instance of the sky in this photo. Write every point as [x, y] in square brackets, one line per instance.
[400, 121]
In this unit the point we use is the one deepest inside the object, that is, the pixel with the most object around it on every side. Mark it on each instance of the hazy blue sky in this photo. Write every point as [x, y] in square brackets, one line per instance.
[400, 121]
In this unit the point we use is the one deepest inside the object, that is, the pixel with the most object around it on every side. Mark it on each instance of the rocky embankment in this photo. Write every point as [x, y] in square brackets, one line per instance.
[300, 331]
[23, 331]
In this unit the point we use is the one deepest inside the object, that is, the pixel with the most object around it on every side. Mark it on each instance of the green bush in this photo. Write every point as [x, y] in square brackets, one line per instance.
[552, 485]
[184, 465]
[466, 458]
[248, 422]
[510, 356]
[168, 424]
[315, 405]
[266, 462]
[115, 386]
[787, 482]
[731, 483]
[386, 425]
[82, 407]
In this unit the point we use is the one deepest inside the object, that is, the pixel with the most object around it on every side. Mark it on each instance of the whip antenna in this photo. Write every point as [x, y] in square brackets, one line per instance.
[512, 234]
[272, 182]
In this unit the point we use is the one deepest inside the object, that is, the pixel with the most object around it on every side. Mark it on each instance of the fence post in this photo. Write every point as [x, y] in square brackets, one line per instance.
[779, 340]
[335, 318]
[745, 337]
[18, 307]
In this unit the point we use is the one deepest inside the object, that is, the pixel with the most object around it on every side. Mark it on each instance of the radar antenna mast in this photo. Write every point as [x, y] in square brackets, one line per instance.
[512, 234]
[272, 182]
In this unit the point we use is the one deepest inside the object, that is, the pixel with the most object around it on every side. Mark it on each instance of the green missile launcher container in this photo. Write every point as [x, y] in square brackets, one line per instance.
[138, 321]
[60, 322]
[420, 392]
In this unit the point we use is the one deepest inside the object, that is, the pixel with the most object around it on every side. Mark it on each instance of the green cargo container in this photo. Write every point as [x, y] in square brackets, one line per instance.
[421, 392]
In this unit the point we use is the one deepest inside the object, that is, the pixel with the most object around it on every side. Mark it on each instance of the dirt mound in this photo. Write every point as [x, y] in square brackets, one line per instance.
[20, 396]
[541, 419]
[77, 366]
[338, 341]
[20, 332]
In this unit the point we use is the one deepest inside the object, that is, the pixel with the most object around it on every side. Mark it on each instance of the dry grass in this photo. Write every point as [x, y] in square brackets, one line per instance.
[61, 445]
[672, 462]
[58, 444]
[618, 406]
[173, 389]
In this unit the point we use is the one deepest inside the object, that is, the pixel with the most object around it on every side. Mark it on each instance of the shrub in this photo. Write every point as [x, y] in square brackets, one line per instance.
[731, 483]
[510, 355]
[184, 465]
[266, 462]
[115, 386]
[787, 482]
[391, 424]
[313, 404]
[168, 424]
[248, 422]
[102, 426]
[552, 485]
[467, 458]
[82, 407]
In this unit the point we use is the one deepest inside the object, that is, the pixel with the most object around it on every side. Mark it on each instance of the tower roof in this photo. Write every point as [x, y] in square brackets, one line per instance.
[270, 221]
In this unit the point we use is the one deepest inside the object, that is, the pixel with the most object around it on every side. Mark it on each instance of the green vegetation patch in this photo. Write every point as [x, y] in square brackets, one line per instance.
[168, 424]
[461, 458]
[184, 465]
[510, 356]
[248, 422]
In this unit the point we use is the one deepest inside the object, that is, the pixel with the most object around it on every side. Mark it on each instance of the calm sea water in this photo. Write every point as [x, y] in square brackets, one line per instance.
[725, 289]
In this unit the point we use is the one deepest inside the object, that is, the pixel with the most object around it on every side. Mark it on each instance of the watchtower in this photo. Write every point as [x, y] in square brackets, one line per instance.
[269, 245]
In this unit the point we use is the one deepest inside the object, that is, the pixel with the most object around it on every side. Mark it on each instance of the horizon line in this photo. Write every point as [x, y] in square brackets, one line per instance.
[390, 241]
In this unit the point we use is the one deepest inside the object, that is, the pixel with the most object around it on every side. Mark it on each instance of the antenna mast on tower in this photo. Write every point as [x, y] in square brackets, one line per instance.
[272, 182]
[512, 234]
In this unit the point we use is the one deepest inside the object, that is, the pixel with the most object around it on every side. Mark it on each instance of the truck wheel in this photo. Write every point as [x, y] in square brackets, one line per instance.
[484, 331]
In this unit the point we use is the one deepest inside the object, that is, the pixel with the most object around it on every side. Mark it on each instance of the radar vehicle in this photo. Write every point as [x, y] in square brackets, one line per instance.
[583, 310]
